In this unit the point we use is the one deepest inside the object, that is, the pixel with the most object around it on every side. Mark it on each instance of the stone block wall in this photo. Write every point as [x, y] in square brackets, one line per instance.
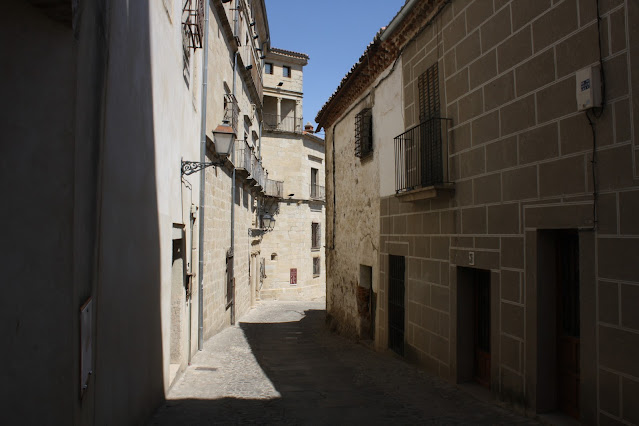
[521, 159]
[289, 158]
[217, 239]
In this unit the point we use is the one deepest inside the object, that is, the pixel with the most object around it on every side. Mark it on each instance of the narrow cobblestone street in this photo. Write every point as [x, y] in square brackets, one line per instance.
[280, 365]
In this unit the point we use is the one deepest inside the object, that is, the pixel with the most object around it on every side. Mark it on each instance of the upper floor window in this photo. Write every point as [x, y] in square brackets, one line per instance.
[364, 133]
[268, 68]
[286, 71]
[316, 236]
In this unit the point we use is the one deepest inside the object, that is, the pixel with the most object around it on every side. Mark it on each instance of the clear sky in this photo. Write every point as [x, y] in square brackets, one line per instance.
[334, 33]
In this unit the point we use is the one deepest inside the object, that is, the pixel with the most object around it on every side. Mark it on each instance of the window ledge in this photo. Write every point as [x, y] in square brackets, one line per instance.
[442, 190]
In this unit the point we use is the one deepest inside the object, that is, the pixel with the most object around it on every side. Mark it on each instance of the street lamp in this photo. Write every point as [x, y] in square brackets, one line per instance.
[223, 137]
[268, 221]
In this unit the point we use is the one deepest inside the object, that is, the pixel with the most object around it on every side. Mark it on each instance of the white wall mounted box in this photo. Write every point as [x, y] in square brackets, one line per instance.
[588, 88]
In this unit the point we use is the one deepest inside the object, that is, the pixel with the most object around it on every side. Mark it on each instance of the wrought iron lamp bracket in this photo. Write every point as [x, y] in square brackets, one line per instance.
[190, 167]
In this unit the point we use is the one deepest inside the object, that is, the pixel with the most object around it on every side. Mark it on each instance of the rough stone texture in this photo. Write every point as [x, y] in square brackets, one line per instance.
[281, 365]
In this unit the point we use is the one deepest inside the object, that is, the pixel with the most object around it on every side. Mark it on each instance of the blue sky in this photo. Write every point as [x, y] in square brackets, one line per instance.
[334, 33]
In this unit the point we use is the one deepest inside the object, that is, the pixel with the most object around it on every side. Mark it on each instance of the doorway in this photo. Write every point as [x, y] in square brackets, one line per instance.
[473, 326]
[558, 328]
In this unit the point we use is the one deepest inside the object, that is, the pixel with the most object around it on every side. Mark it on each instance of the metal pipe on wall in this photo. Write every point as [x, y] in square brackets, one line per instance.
[200, 271]
[237, 26]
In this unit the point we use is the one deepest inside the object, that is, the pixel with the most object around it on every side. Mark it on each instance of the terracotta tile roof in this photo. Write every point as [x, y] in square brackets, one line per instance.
[377, 56]
[289, 53]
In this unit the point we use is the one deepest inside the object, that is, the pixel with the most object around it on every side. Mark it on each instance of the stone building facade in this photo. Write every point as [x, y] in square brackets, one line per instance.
[231, 236]
[293, 251]
[101, 259]
[95, 307]
[505, 250]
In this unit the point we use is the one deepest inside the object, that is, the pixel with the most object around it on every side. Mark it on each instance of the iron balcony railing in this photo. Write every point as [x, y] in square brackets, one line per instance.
[231, 111]
[274, 188]
[193, 24]
[421, 155]
[243, 154]
[284, 124]
[317, 192]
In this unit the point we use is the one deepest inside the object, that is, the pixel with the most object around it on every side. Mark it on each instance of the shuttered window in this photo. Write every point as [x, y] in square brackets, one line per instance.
[428, 86]
[364, 133]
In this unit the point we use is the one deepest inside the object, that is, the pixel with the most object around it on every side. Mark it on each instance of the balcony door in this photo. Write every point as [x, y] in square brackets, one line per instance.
[429, 166]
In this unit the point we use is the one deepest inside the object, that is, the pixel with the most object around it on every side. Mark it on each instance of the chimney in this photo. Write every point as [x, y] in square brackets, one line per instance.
[308, 128]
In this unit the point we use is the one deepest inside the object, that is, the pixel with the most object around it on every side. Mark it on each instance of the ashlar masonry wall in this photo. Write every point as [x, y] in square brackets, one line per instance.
[289, 158]
[521, 159]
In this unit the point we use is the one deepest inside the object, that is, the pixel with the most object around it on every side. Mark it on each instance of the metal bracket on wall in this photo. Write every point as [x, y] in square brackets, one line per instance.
[190, 167]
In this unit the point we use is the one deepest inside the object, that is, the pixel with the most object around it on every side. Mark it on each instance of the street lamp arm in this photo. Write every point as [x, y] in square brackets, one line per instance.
[190, 167]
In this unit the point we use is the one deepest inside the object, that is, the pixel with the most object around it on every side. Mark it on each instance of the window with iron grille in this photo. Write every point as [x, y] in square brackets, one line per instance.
[428, 86]
[316, 232]
[317, 268]
[364, 133]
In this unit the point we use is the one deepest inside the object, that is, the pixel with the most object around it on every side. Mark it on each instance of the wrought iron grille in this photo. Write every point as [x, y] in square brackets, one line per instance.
[317, 266]
[396, 310]
[316, 236]
[193, 22]
[231, 111]
[364, 133]
[420, 155]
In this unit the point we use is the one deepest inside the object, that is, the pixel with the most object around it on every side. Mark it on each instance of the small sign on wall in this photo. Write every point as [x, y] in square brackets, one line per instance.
[293, 276]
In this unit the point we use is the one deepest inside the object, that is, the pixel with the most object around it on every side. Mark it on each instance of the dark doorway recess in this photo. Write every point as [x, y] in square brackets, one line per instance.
[396, 308]
[473, 332]
[558, 328]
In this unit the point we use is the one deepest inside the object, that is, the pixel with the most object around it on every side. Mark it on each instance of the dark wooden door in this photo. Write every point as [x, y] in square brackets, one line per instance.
[481, 322]
[396, 310]
[568, 329]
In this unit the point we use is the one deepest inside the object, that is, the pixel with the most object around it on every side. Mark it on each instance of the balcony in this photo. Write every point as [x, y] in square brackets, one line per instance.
[243, 153]
[257, 173]
[284, 124]
[274, 188]
[421, 160]
[317, 192]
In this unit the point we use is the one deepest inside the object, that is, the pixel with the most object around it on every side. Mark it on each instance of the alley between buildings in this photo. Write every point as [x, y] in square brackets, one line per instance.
[281, 365]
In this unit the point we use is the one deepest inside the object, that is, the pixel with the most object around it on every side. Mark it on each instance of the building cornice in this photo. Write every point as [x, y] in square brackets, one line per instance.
[288, 56]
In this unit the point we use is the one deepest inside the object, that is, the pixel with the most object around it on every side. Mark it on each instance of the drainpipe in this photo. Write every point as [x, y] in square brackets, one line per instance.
[200, 252]
[237, 23]
[399, 18]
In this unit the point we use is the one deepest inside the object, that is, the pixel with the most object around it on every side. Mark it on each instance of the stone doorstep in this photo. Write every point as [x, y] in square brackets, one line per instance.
[443, 190]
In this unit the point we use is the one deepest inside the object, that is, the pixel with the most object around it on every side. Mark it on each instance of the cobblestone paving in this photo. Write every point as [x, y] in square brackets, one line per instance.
[280, 365]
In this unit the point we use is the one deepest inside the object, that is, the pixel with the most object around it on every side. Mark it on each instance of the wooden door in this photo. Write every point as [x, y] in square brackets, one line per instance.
[396, 310]
[481, 322]
[568, 328]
